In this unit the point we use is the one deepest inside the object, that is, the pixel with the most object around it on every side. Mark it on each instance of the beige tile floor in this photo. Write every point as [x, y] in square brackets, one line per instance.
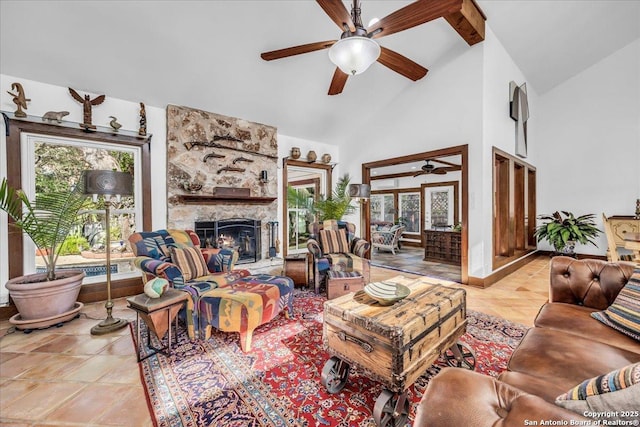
[67, 377]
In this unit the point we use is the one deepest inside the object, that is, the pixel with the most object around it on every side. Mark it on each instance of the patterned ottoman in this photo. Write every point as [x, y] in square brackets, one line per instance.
[343, 282]
[245, 304]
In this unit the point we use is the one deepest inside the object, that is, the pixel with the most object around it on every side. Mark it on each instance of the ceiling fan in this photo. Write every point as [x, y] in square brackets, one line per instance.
[429, 169]
[356, 49]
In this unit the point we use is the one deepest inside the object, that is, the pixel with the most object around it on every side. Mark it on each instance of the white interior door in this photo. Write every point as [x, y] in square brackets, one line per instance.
[439, 207]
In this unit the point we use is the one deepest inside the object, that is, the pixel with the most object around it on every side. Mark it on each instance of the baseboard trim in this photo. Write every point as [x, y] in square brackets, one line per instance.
[95, 292]
[485, 282]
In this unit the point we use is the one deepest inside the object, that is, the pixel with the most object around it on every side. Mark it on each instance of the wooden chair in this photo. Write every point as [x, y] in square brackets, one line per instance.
[615, 253]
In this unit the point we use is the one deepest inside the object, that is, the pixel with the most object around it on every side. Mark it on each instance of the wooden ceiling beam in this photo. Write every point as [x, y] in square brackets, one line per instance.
[468, 22]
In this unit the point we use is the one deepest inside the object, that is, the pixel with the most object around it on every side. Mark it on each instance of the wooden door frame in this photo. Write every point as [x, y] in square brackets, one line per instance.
[463, 152]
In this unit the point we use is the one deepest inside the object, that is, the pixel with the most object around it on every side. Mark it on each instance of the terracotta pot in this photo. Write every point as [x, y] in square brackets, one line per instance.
[37, 298]
[312, 156]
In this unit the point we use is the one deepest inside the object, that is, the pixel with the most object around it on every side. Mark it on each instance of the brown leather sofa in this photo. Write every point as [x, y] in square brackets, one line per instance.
[566, 347]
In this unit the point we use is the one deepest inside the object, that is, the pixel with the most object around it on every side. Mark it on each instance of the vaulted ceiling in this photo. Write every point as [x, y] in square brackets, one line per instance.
[206, 54]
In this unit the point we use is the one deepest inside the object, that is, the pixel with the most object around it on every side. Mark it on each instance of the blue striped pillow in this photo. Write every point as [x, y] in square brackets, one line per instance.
[624, 314]
[607, 383]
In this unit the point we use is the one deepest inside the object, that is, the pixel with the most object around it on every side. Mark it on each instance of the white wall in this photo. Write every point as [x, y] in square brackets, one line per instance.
[589, 130]
[441, 110]
[498, 130]
[463, 100]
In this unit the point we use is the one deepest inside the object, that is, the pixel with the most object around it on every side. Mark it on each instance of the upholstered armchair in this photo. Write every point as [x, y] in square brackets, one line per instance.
[220, 297]
[387, 239]
[171, 255]
[334, 247]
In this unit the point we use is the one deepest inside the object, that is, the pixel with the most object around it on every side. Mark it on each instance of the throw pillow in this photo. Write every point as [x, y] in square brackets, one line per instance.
[334, 241]
[624, 314]
[606, 396]
[190, 261]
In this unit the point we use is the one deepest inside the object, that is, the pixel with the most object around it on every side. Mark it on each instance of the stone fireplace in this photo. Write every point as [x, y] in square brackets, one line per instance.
[233, 163]
[243, 235]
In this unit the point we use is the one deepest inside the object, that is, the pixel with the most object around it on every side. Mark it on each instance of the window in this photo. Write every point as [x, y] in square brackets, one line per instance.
[54, 164]
[20, 165]
[382, 207]
[409, 211]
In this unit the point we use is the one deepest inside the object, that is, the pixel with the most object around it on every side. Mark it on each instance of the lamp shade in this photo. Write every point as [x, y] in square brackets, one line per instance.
[362, 191]
[105, 182]
[353, 55]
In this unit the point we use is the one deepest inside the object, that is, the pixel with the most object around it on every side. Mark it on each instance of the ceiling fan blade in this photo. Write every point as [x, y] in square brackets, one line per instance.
[418, 174]
[338, 13]
[438, 171]
[401, 64]
[337, 82]
[412, 15]
[296, 50]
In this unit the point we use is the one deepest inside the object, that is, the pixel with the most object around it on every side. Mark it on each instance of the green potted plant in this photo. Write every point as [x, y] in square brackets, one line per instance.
[563, 229]
[48, 298]
[338, 204]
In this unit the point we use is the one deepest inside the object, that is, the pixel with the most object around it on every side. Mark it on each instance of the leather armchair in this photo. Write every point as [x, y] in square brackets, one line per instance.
[323, 262]
[459, 397]
[566, 347]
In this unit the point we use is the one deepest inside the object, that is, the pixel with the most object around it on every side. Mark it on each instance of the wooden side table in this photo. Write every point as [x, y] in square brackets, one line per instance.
[297, 267]
[157, 313]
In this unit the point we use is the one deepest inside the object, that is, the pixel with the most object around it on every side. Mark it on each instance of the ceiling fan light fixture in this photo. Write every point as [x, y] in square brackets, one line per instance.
[354, 54]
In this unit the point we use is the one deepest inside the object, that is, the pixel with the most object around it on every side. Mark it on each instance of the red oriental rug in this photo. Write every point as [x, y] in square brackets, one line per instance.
[213, 383]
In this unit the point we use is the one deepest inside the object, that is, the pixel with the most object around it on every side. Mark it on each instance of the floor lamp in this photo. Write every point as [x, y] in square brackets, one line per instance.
[109, 185]
[361, 192]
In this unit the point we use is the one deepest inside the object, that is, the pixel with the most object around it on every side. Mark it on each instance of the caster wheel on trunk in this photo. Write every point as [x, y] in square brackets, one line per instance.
[334, 374]
[391, 411]
[461, 356]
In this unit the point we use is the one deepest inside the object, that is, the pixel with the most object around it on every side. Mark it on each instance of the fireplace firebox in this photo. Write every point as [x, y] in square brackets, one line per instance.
[240, 234]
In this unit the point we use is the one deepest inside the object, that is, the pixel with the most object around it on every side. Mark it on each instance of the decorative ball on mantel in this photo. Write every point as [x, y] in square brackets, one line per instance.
[326, 158]
[295, 153]
[154, 288]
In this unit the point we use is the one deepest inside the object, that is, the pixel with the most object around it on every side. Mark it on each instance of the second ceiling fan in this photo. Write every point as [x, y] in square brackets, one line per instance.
[359, 37]
[430, 169]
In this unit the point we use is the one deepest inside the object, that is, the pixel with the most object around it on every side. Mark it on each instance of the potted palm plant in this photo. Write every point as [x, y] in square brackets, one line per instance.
[45, 299]
[337, 204]
[563, 229]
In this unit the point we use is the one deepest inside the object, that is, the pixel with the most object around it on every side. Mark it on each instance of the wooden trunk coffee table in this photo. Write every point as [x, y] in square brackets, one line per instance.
[395, 344]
